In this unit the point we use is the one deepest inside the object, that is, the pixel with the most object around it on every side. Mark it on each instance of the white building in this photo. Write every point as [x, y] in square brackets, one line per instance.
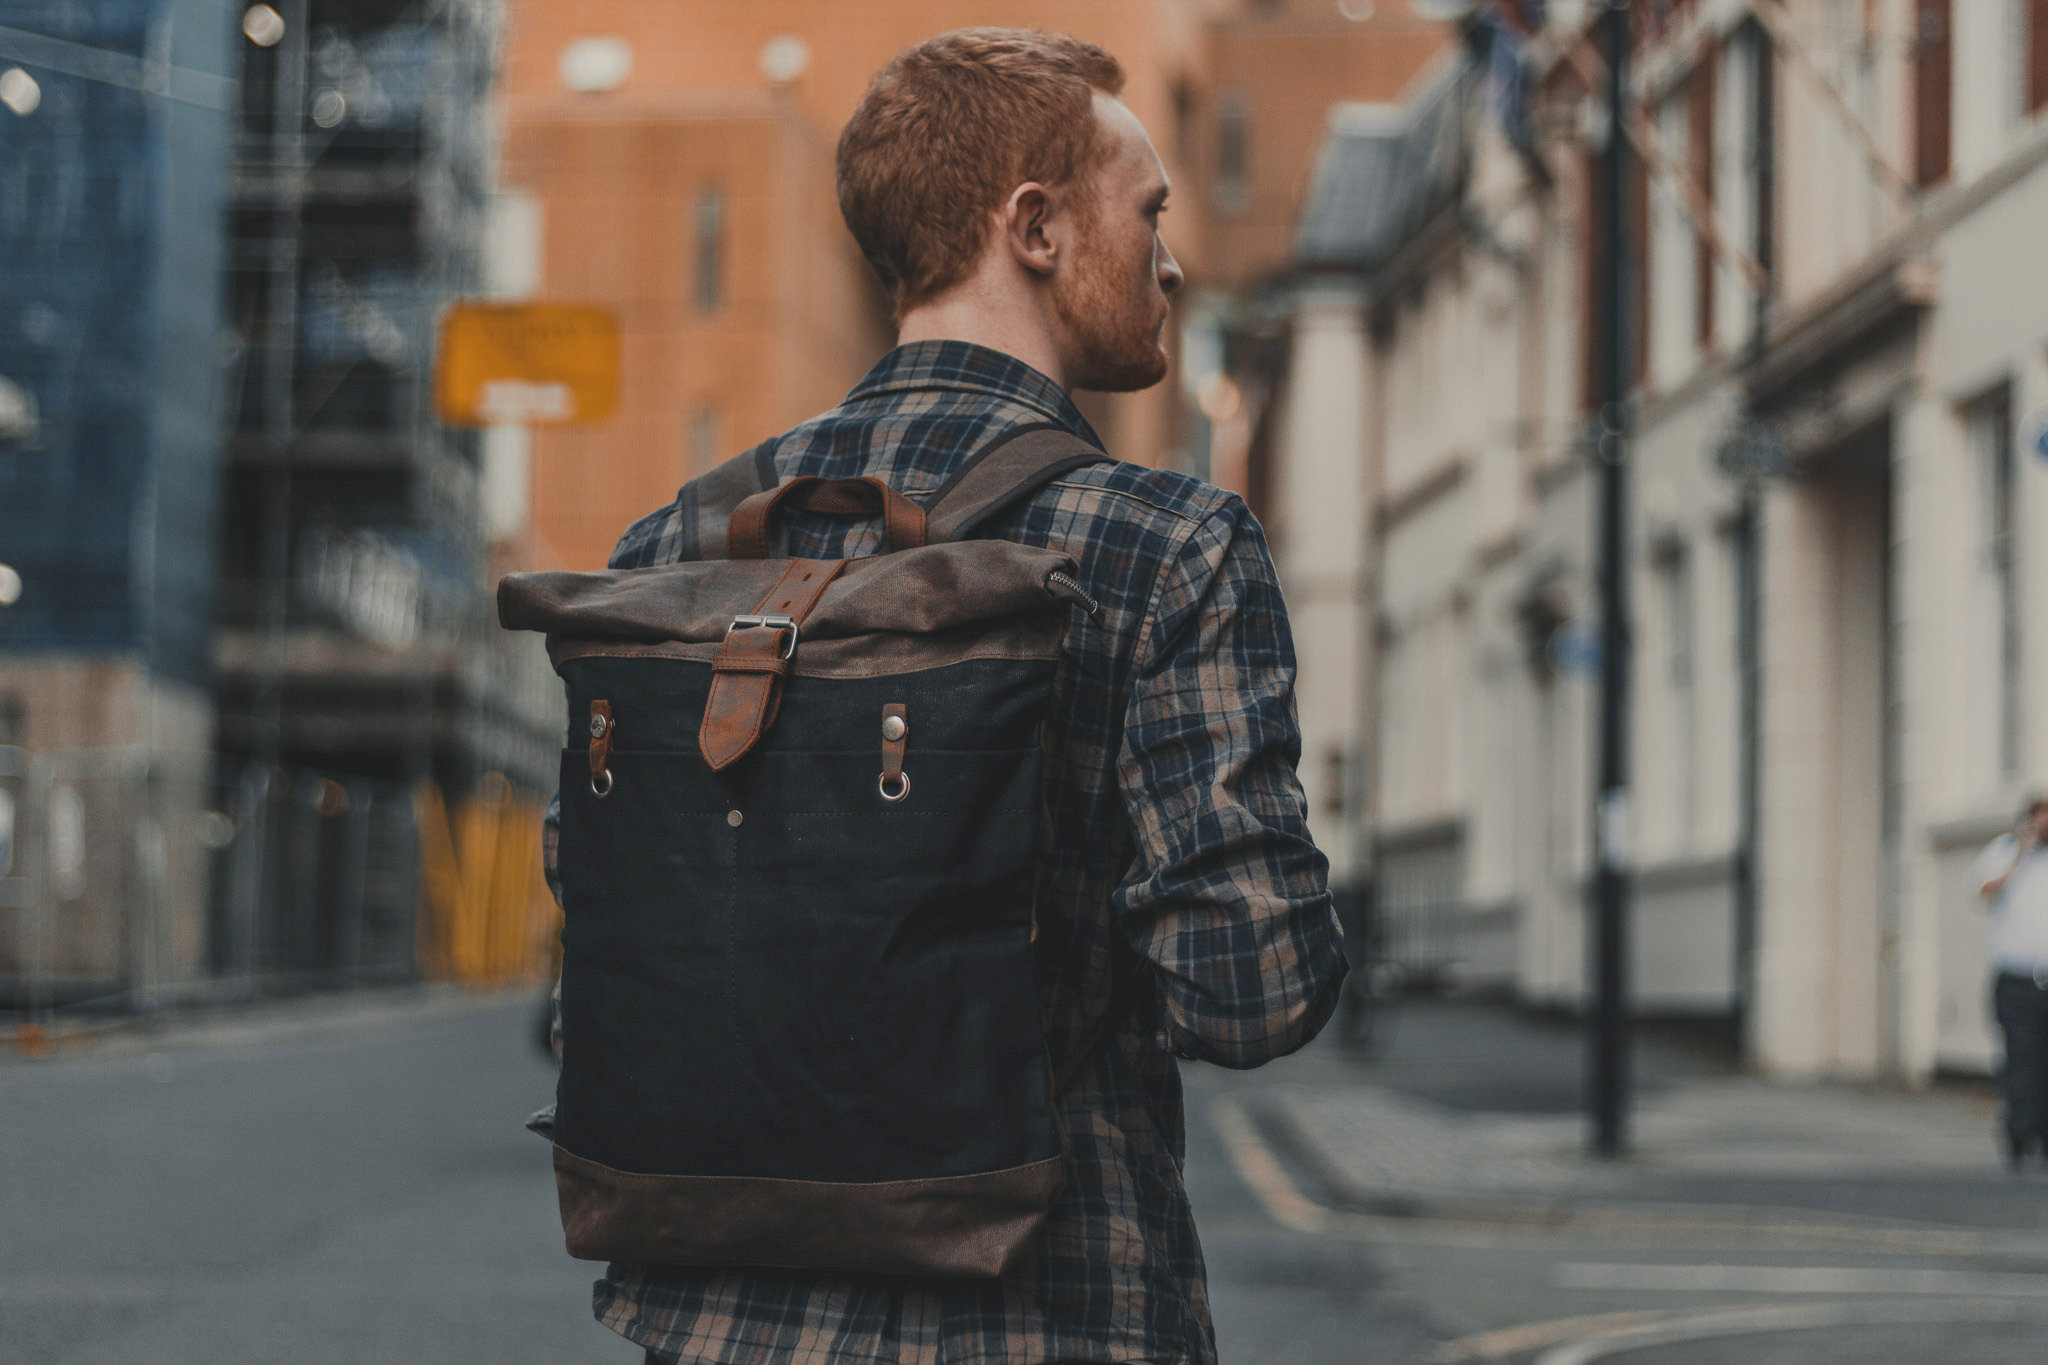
[1887, 165]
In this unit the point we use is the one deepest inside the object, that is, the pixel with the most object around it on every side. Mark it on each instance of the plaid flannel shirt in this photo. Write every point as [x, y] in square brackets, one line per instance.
[1173, 838]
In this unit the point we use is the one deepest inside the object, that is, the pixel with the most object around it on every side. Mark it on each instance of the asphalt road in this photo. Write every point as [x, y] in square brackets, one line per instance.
[368, 1195]
[365, 1194]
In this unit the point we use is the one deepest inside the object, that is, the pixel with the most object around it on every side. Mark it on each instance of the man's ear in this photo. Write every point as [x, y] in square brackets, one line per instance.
[1025, 221]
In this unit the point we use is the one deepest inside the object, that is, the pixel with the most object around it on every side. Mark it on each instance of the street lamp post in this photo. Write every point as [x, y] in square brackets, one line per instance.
[1607, 1096]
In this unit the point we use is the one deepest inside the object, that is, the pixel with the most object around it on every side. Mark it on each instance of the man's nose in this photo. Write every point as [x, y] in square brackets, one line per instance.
[1169, 268]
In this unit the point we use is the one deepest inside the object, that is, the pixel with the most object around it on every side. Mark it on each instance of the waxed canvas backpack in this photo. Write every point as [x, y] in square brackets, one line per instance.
[800, 812]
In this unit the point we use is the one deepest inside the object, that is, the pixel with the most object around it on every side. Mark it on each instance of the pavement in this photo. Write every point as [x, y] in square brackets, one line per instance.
[1473, 1116]
[1750, 1222]
[346, 1180]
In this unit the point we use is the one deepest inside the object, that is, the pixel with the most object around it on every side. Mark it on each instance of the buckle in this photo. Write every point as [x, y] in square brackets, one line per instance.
[771, 621]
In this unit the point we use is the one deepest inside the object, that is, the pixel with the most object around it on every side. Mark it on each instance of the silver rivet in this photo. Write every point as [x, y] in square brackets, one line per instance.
[597, 727]
[894, 728]
[733, 818]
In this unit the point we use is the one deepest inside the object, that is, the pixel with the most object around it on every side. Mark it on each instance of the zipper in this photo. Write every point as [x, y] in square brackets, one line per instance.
[1064, 584]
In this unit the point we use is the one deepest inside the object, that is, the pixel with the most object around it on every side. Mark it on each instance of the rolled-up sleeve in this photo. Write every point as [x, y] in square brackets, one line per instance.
[1228, 896]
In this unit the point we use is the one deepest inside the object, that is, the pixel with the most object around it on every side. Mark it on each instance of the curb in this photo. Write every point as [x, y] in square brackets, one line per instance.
[253, 1021]
[1333, 1196]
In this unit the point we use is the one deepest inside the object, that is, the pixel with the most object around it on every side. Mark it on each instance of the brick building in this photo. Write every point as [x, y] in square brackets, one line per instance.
[674, 161]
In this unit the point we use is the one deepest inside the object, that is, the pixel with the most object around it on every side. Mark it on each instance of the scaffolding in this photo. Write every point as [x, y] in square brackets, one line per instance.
[357, 649]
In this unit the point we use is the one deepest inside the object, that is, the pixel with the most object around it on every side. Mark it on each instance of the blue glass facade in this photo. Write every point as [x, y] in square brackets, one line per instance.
[112, 195]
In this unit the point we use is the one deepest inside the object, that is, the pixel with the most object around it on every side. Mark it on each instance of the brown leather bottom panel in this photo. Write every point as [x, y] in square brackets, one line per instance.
[959, 1226]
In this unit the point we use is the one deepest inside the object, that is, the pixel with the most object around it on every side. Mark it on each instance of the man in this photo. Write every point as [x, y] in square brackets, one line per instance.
[1011, 202]
[2012, 876]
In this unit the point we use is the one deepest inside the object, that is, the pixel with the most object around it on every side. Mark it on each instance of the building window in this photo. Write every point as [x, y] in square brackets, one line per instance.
[1680, 665]
[1233, 152]
[2018, 67]
[1700, 149]
[710, 253]
[1183, 96]
[2035, 23]
[1932, 91]
[1674, 257]
[1989, 424]
[707, 440]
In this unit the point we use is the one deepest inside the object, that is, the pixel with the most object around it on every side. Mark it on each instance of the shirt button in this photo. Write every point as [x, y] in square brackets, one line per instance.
[733, 818]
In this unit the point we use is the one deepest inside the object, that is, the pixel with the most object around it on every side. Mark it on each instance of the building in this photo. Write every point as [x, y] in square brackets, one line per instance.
[115, 139]
[675, 163]
[1840, 373]
[357, 653]
[254, 628]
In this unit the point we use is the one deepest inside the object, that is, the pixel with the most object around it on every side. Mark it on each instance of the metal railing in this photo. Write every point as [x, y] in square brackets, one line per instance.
[86, 874]
[127, 884]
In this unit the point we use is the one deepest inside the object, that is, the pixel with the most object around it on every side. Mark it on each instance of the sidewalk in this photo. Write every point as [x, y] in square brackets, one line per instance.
[1472, 1114]
[263, 1020]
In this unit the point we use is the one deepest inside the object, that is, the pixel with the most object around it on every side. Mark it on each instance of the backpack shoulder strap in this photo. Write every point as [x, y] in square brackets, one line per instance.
[1002, 474]
[704, 506]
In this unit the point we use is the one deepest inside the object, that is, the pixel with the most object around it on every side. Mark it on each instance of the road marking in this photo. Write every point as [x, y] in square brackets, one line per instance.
[1775, 1279]
[1511, 1341]
[1261, 1170]
[1735, 1322]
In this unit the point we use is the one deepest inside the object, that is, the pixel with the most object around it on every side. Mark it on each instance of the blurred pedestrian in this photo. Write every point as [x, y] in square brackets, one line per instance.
[1011, 203]
[2012, 877]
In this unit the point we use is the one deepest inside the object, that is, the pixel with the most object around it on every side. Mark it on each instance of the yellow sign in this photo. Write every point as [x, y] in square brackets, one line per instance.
[536, 363]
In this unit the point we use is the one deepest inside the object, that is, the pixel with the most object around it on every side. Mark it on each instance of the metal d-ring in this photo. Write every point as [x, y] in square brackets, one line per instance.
[606, 790]
[902, 787]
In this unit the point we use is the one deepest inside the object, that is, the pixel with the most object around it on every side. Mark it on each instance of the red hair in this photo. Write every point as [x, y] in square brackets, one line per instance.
[948, 130]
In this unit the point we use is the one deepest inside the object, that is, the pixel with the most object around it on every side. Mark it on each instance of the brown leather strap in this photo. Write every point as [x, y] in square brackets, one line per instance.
[747, 674]
[895, 740]
[600, 747]
[796, 593]
[746, 535]
[746, 691]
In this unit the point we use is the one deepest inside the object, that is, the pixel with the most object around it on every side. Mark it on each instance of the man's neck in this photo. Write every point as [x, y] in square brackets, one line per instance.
[964, 315]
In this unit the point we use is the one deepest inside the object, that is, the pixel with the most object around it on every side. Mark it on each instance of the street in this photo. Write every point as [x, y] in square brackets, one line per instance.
[360, 1189]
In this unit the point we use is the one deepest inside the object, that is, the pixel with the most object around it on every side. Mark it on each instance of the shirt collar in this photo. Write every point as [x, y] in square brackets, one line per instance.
[968, 368]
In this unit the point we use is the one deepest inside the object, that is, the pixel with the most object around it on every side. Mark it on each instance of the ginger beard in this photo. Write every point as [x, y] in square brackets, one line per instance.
[1112, 311]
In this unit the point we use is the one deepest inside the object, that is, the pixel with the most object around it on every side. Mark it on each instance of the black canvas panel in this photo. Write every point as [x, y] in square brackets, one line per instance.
[658, 704]
[837, 987]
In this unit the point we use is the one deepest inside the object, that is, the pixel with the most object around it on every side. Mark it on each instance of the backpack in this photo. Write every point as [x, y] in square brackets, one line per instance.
[799, 822]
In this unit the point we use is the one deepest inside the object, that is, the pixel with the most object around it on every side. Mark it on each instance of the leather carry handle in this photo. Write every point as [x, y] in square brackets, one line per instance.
[746, 534]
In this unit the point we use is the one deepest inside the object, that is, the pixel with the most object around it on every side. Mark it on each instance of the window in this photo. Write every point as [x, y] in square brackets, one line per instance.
[1183, 96]
[2035, 22]
[1680, 664]
[1233, 138]
[1739, 129]
[1989, 424]
[2018, 63]
[1700, 156]
[710, 253]
[707, 440]
[1674, 256]
[1931, 91]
